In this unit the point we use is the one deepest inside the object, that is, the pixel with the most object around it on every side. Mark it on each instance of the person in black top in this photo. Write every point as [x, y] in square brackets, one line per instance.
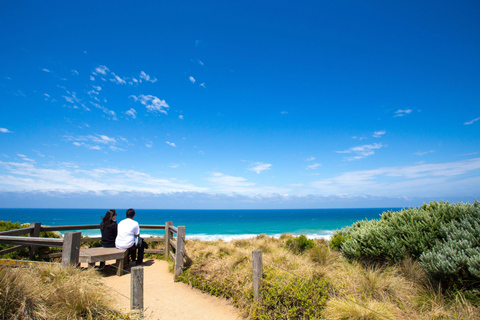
[108, 227]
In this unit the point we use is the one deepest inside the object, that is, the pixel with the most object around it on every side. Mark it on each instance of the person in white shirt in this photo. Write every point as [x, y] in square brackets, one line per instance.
[128, 230]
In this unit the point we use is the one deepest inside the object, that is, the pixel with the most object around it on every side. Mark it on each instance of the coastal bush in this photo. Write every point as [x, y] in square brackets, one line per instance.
[396, 235]
[455, 258]
[299, 244]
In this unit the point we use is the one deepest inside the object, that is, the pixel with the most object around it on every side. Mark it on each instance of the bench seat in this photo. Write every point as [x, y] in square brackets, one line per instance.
[93, 255]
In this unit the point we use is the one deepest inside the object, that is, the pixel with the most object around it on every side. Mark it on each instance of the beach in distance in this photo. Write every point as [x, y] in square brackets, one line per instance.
[210, 224]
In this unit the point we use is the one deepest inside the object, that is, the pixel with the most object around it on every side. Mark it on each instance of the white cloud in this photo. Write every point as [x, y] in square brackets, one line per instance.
[146, 77]
[152, 103]
[117, 79]
[401, 113]
[86, 141]
[229, 181]
[5, 130]
[171, 144]
[192, 79]
[258, 167]
[102, 70]
[378, 134]
[98, 88]
[45, 70]
[200, 62]
[180, 117]
[471, 121]
[92, 78]
[105, 110]
[132, 113]
[433, 180]
[202, 85]
[75, 72]
[314, 166]
[362, 151]
[422, 153]
[310, 159]
[24, 158]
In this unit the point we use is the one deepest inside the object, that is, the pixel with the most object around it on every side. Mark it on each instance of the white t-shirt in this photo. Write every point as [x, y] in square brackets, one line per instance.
[127, 230]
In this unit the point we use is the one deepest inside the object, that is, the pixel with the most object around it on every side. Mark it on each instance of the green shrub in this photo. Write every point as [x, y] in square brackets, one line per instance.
[285, 296]
[299, 244]
[337, 241]
[408, 232]
[455, 258]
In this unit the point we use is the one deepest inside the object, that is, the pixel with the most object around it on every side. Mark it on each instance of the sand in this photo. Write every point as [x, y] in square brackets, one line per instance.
[166, 299]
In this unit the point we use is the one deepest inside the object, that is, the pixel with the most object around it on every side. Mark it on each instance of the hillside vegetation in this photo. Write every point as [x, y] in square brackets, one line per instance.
[417, 263]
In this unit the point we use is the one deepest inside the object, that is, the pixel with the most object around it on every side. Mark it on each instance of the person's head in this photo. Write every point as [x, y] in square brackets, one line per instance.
[109, 217]
[130, 213]
[114, 214]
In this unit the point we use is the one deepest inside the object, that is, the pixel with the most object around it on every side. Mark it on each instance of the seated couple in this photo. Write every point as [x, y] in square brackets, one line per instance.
[125, 235]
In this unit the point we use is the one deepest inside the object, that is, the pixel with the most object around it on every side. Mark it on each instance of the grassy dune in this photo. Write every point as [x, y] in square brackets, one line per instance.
[315, 282]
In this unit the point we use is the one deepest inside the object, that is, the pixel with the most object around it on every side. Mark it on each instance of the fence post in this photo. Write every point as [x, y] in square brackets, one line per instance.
[257, 273]
[71, 248]
[168, 237]
[136, 288]
[34, 233]
[179, 252]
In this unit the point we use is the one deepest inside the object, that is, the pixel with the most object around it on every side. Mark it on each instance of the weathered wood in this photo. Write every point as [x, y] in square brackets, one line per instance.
[101, 254]
[70, 228]
[12, 249]
[34, 233]
[154, 251]
[24, 263]
[152, 226]
[174, 229]
[180, 251]
[155, 239]
[172, 255]
[257, 273]
[44, 242]
[90, 239]
[167, 238]
[136, 288]
[120, 263]
[16, 232]
[173, 244]
[71, 248]
[49, 256]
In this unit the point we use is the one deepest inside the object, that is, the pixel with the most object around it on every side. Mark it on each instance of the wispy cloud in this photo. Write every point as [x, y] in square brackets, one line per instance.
[152, 103]
[93, 142]
[310, 159]
[437, 179]
[401, 113]
[422, 153]
[24, 158]
[117, 79]
[75, 72]
[105, 110]
[192, 79]
[378, 134]
[146, 77]
[362, 151]
[132, 113]
[202, 85]
[5, 130]
[258, 167]
[180, 117]
[314, 166]
[471, 121]
[102, 70]
[171, 144]
[45, 70]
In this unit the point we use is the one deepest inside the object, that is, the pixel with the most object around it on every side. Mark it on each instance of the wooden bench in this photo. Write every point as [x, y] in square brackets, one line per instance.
[93, 255]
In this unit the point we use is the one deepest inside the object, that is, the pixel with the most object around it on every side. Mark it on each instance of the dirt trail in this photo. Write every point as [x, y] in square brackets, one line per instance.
[166, 299]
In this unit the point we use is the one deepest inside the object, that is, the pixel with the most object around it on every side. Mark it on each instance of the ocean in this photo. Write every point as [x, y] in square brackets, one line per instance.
[210, 224]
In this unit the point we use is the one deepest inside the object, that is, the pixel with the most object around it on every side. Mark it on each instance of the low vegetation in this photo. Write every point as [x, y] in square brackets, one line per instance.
[53, 292]
[417, 263]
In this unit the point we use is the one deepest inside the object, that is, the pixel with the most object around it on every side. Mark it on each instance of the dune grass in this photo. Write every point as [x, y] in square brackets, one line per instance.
[54, 292]
[318, 283]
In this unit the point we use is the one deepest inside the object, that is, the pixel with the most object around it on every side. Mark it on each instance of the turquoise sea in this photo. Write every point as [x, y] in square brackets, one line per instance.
[210, 224]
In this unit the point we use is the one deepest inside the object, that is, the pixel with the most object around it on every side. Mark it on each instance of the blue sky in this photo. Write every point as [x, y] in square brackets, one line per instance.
[239, 104]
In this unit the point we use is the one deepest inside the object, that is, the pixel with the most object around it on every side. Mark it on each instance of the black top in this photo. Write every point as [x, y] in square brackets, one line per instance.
[109, 233]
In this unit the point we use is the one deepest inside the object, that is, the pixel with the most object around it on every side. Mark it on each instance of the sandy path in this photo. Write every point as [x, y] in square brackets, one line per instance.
[166, 299]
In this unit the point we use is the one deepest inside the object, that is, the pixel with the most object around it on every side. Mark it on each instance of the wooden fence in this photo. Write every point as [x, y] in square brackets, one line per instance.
[174, 246]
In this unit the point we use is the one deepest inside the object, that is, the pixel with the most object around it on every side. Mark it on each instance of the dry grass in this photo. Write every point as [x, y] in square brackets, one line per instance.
[53, 292]
[398, 292]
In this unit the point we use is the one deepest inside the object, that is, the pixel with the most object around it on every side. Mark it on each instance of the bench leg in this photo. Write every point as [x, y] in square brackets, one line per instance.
[120, 266]
[102, 264]
[91, 265]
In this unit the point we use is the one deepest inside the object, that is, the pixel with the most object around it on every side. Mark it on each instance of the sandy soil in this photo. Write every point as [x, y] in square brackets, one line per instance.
[166, 299]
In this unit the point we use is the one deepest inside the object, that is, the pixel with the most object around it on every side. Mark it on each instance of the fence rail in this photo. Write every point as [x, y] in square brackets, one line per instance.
[174, 246]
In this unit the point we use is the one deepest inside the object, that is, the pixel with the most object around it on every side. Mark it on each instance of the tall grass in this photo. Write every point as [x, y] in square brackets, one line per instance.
[318, 283]
[53, 292]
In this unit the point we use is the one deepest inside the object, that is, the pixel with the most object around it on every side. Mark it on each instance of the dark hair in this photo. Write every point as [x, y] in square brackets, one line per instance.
[108, 219]
[130, 213]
